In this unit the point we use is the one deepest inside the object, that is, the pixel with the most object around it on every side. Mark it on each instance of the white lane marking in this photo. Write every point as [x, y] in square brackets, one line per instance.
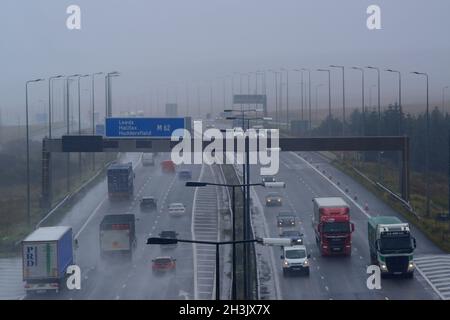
[90, 217]
[99, 205]
[326, 288]
[333, 184]
[196, 293]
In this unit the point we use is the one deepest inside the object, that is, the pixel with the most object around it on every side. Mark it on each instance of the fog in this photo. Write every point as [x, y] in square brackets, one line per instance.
[164, 49]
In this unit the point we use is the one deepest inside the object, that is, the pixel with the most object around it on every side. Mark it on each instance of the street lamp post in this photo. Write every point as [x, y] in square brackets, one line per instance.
[427, 142]
[275, 74]
[329, 98]
[108, 111]
[93, 111]
[379, 97]
[400, 108]
[28, 150]
[50, 91]
[79, 121]
[287, 97]
[309, 95]
[301, 91]
[68, 129]
[50, 118]
[317, 100]
[363, 107]
[379, 116]
[343, 96]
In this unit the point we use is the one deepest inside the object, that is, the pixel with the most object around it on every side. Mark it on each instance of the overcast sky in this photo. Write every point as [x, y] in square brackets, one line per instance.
[157, 44]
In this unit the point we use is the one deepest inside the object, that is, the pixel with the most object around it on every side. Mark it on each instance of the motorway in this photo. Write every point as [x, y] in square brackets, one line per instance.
[134, 280]
[330, 277]
[334, 277]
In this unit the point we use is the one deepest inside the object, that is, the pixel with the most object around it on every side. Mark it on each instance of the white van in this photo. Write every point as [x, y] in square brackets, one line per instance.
[148, 159]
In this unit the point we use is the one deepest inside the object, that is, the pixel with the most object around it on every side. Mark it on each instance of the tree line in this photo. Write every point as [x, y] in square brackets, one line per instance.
[392, 122]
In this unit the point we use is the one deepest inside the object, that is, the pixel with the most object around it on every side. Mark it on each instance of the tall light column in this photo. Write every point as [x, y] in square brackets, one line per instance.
[427, 145]
[309, 96]
[343, 97]
[329, 98]
[363, 107]
[28, 150]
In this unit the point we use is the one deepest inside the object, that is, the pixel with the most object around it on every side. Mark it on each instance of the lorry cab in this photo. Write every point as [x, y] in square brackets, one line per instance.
[332, 226]
[391, 246]
[295, 259]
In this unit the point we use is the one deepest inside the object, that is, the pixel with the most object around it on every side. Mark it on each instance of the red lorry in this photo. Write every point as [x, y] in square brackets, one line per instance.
[332, 226]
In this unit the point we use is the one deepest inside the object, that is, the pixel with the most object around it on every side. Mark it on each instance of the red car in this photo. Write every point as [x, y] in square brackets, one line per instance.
[163, 264]
[168, 166]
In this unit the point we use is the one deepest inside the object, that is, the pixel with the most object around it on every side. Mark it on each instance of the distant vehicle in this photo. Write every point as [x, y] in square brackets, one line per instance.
[293, 235]
[286, 221]
[163, 264]
[268, 179]
[46, 254]
[148, 159]
[185, 174]
[148, 204]
[176, 209]
[117, 236]
[295, 259]
[168, 166]
[332, 226]
[168, 235]
[391, 246]
[273, 199]
[120, 180]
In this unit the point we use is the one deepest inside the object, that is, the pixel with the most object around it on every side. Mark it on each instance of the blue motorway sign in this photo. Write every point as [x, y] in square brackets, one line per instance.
[142, 127]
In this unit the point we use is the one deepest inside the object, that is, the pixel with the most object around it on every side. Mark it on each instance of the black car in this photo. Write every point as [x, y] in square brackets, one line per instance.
[268, 179]
[294, 235]
[273, 199]
[286, 219]
[185, 174]
[148, 204]
[168, 234]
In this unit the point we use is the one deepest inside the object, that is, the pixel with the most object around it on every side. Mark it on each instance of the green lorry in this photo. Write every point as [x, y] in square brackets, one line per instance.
[391, 246]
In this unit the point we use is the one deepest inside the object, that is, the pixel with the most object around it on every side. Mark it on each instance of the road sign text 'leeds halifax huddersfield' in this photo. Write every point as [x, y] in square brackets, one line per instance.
[142, 127]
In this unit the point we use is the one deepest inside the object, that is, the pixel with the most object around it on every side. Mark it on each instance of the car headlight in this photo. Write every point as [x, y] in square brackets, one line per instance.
[279, 200]
[383, 266]
[411, 265]
[306, 263]
[268, 200]
[285, 263]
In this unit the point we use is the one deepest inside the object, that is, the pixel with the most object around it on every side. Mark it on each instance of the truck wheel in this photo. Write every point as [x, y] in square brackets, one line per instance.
[307, 272]
[285, 274]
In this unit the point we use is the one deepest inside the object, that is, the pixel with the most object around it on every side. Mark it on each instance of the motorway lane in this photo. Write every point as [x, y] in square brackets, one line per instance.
[135, 280]
[143, 284]
[376, 207]
[331, 277]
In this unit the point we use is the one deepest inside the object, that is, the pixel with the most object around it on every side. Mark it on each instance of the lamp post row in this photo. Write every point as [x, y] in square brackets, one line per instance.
[50, 121]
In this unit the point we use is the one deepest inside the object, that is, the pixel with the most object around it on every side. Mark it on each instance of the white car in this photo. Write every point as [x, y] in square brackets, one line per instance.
[295, 259]
[177, 209]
